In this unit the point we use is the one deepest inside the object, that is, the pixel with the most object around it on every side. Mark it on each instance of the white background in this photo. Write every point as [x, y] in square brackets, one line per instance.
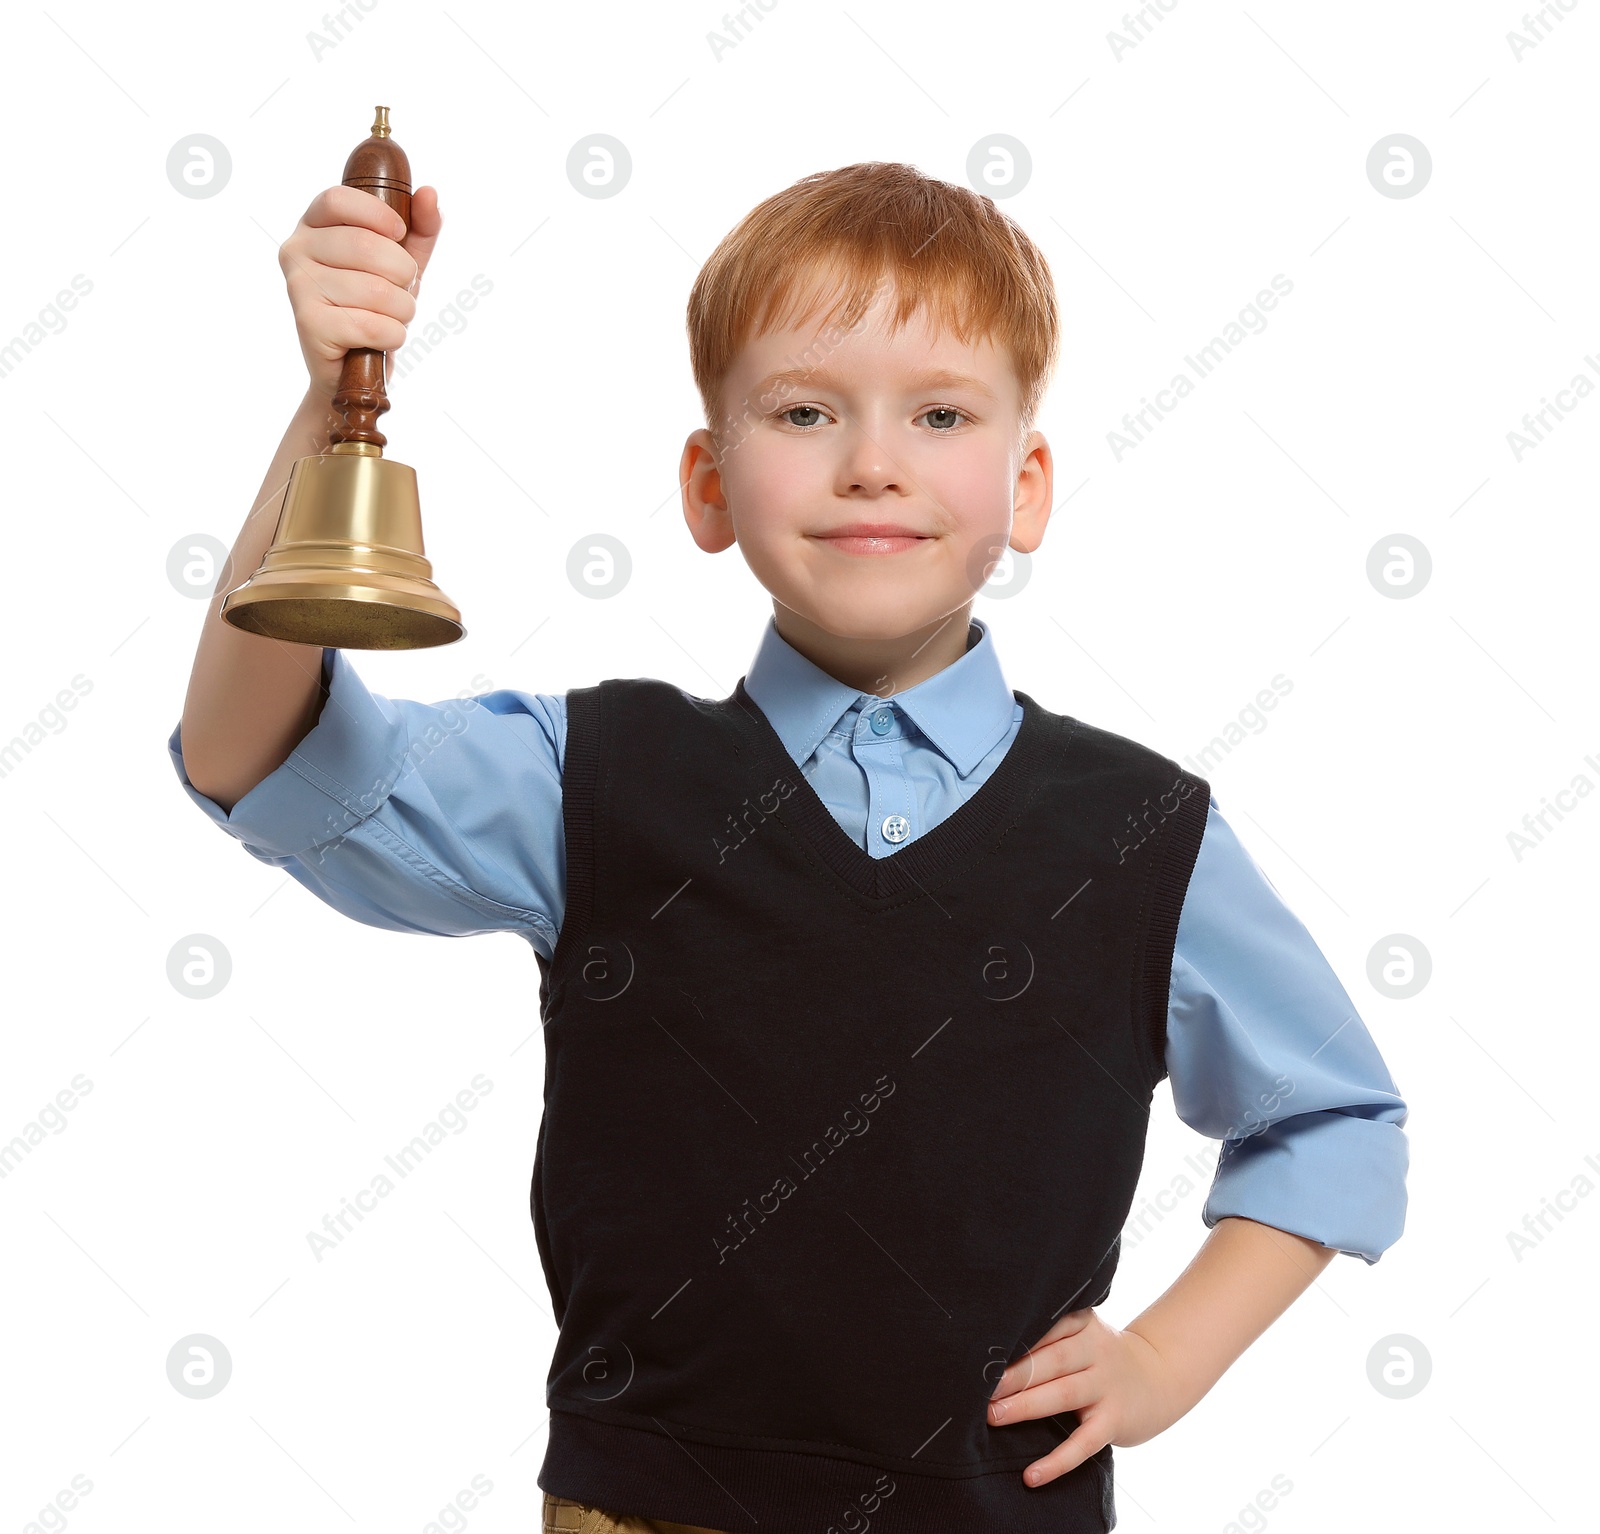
[1167, 188]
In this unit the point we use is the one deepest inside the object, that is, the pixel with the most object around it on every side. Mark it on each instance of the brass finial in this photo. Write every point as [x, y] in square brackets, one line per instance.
[380, 125]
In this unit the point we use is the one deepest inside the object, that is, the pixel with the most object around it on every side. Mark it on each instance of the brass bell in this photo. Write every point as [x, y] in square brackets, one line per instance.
[346, 566]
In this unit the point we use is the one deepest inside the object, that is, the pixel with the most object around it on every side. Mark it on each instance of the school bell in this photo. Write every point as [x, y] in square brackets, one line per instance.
[346, 566]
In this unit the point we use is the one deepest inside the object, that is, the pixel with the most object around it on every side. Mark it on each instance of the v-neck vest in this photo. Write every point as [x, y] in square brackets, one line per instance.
[828, 1139]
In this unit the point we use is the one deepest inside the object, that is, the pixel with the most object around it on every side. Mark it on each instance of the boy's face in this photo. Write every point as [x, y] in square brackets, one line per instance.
[913, 431]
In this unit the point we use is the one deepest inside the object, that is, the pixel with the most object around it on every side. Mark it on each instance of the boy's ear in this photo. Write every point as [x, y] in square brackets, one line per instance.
[1034, 494]
[705, 508]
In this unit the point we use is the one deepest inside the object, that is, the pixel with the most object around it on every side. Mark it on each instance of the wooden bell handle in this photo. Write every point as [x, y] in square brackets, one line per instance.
[377, 165]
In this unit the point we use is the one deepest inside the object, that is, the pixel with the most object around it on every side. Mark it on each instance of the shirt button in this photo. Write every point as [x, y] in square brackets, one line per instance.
[896, 828]
[881, 721]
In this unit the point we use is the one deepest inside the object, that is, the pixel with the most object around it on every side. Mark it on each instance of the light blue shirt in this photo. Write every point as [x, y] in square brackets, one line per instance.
[445, 818]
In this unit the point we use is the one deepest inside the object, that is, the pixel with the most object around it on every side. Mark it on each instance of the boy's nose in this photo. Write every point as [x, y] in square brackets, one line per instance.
[869, 468]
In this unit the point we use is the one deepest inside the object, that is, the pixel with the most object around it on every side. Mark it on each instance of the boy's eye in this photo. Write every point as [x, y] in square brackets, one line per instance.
[946, 410]
[794, 410]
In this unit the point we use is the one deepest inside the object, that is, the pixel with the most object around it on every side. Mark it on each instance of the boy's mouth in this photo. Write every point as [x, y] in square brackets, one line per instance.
[872, 538]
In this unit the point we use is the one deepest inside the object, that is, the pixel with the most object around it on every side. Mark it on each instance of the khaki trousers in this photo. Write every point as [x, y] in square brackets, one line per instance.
[562, 1516]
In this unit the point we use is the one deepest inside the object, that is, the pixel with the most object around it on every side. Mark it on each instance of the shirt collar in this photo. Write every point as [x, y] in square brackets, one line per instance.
[964, 710]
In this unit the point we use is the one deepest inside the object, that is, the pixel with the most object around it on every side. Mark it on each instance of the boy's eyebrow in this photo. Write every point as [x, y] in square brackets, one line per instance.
[937, 378]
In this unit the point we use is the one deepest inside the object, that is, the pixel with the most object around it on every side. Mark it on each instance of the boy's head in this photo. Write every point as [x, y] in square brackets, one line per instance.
[871, 346]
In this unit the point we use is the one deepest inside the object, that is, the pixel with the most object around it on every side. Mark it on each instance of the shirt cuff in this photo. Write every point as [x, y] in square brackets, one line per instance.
[338, 775]
[1350, 1170]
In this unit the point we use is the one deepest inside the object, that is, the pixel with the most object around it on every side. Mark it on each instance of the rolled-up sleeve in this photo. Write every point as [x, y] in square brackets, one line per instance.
[1266, 1052]
[440, 818]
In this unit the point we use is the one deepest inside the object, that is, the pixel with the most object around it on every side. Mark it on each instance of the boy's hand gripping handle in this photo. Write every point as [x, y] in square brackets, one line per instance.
[377, 165]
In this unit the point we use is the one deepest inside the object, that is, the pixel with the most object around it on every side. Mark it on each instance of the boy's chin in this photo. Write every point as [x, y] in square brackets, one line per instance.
[875, 622]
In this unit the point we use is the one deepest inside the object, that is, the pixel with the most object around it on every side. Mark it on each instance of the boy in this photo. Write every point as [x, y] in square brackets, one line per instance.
[856, 984]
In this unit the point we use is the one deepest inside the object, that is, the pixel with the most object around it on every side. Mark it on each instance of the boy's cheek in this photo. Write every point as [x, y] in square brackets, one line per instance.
[976, 492]
[778, 491]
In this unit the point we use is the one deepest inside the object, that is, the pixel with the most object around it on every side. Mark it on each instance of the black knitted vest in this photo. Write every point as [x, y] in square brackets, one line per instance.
[828, 1139]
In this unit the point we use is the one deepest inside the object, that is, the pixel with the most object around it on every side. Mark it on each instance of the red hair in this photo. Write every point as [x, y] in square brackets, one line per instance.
[943, 246]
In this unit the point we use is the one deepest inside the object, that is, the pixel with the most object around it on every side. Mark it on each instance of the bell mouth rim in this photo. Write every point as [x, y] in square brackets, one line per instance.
[313, 613]
[256, 592]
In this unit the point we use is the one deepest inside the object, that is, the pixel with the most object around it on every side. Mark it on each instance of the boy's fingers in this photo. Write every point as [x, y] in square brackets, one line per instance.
[337, 206]
[358, 250]
[1024, 1372]
[1061, 1390]
[425, 226]
[1043, 1360]
[1068, 1325]
[1084, 1441]
[350, 205]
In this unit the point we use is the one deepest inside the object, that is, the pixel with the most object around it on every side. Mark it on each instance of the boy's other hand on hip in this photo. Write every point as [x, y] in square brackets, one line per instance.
[1121, 1388]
